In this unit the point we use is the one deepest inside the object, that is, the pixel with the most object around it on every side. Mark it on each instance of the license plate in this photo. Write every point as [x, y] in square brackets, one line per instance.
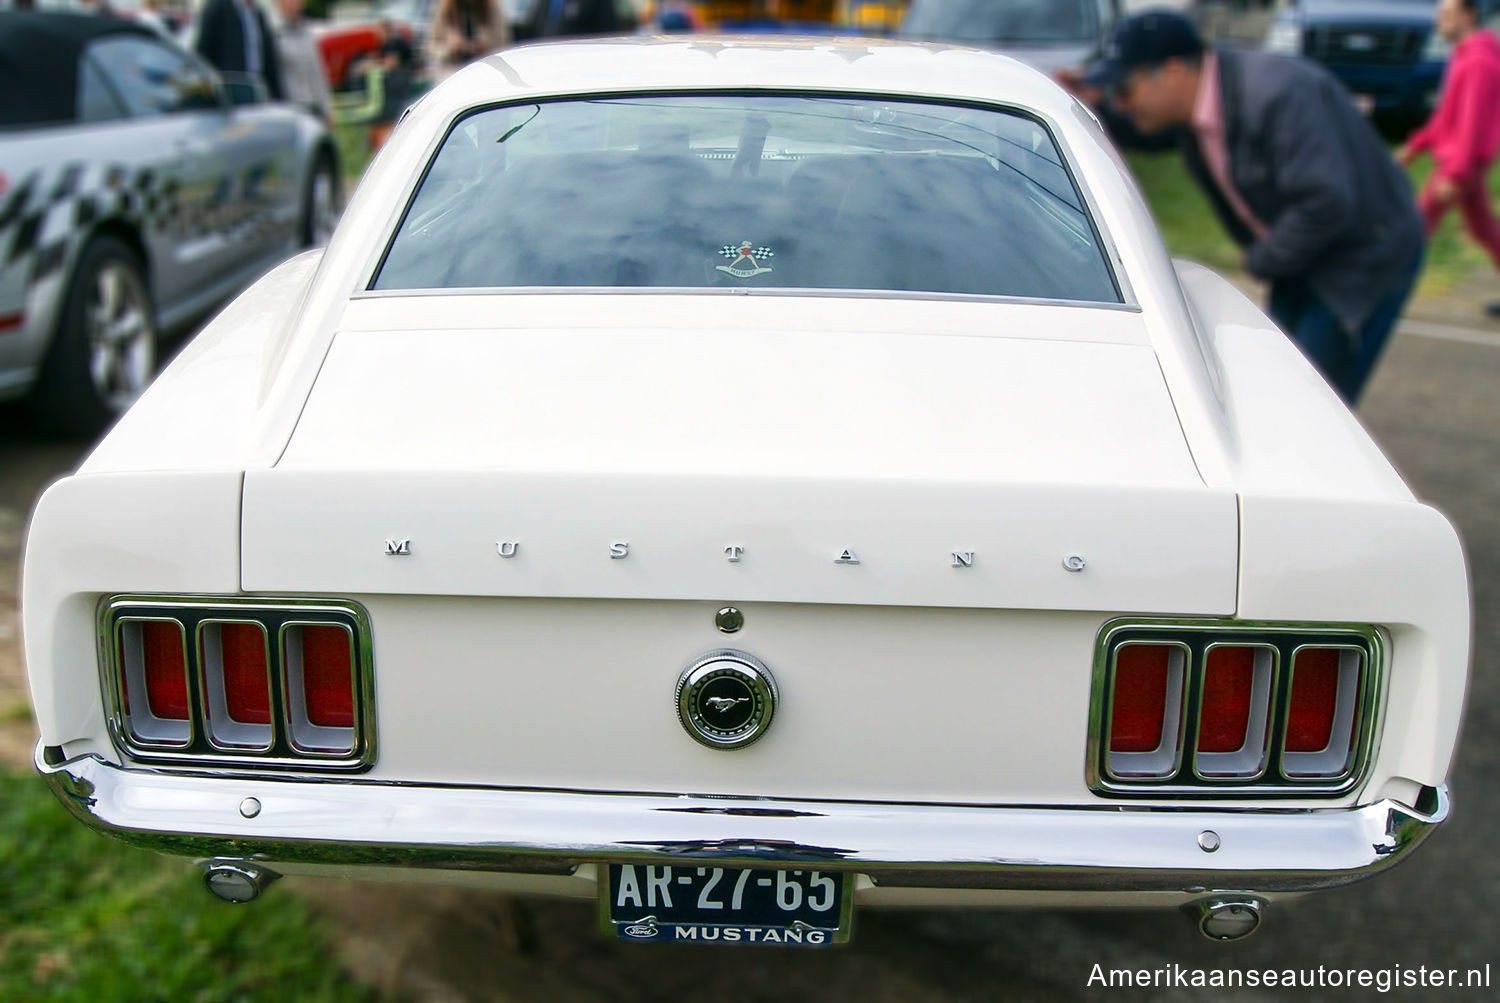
[727, 905]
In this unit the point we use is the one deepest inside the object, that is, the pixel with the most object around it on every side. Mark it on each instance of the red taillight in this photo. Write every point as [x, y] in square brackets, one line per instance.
[1314, 700]
[227, 681]
[1228, 682]
[1185, 708]
[1139, 709]
[165, 669]
[247, 685]
[328, 676]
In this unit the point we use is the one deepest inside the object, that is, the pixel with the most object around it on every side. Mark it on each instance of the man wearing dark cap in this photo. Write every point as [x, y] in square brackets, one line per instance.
[1297, 176]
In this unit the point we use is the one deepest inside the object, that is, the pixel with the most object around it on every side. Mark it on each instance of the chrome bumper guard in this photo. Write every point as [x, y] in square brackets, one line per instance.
[896, 845]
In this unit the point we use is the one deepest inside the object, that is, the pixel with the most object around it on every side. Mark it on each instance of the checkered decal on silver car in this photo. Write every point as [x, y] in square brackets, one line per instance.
[47, 209]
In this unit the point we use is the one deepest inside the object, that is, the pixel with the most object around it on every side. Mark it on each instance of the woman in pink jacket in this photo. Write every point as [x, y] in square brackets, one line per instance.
[1463, 133]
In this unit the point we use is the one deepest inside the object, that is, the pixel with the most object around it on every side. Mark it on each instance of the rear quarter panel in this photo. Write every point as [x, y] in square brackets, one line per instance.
[156, 506]
[1329, 531]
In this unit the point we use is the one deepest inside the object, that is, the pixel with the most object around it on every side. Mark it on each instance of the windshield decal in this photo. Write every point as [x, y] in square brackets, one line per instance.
[745, 263]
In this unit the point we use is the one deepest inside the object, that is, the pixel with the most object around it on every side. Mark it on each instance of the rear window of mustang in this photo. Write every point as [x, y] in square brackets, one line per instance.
[791, 192]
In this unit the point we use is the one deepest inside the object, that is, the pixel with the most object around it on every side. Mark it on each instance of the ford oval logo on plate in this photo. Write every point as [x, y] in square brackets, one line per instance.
[726, 699]
[641, 931]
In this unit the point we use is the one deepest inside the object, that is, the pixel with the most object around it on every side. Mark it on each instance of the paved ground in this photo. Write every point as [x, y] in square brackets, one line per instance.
[1433, 405]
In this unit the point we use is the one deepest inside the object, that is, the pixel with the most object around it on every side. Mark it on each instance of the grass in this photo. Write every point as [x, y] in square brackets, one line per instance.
[84, 918]
[1187, 222]
[17, 713]
[354, 152]
[1190, 229]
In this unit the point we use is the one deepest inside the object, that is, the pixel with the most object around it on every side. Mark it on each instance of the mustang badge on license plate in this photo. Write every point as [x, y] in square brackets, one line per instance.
[727, 905]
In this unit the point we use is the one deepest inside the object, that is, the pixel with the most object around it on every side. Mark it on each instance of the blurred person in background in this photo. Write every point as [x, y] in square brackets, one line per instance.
[395, 52]
[462, 31]
[394, 63]
[150, 14]
[234, 37]
[1298, 178]
[301, 67]
[1463, 133]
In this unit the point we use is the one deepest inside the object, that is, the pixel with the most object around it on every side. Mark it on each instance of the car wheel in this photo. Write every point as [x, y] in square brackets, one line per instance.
[103, 353]
[320, 203]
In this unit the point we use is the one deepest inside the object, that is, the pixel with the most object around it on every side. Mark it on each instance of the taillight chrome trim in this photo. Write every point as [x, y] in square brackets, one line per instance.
[121, 679]
[220, 736]
[1357, 710]
[1177, 720]
[1271, 696]
[1200, 636]
[294, 707]
[192, 613]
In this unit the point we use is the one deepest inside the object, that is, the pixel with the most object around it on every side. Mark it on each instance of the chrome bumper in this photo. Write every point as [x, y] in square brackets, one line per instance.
[922, 846]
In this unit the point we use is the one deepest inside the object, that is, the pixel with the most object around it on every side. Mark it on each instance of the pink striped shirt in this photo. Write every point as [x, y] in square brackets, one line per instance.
[1208, 126]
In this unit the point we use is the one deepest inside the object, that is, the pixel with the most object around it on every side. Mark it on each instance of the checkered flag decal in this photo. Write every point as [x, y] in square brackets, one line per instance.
[732, 251]
[47, 212]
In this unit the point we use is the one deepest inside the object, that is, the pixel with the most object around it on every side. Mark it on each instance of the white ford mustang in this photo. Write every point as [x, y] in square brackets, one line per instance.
[744, 480]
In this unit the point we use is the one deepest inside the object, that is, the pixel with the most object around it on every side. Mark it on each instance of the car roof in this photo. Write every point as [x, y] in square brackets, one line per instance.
[857, 65]
[39, 54]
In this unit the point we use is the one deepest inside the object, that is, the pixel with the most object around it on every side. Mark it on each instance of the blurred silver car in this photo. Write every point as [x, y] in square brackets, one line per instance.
[138, 190]
[1046, 34]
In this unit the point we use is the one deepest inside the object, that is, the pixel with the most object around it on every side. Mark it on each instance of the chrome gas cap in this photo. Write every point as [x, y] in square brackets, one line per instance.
[726, 699]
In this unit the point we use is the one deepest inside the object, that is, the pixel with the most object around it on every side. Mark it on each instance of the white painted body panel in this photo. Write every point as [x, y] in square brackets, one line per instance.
[904, 448]
[1000, 402]
[1150, 551]
[530, 699]
[1178, 443]
[221, 377]
[87, 536]
[1329, 532]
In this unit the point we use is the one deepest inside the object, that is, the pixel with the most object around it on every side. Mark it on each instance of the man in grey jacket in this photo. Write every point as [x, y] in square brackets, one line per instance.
[1297, 176]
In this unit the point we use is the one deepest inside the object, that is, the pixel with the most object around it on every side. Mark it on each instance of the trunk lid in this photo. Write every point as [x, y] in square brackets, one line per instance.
[959, 468]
